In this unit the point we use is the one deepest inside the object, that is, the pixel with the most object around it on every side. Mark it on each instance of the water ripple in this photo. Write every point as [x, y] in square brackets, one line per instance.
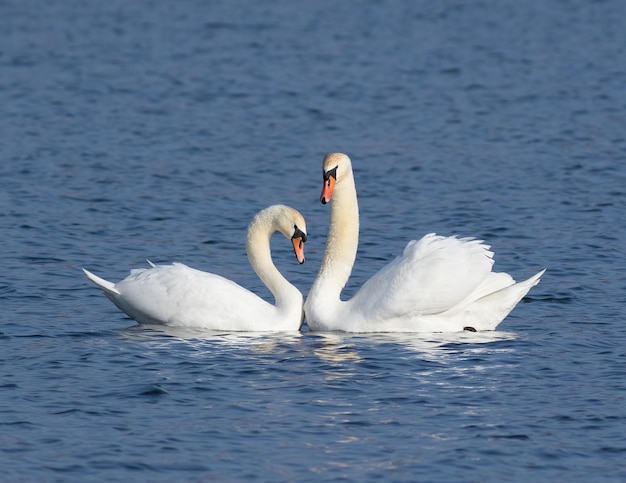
[133, 132]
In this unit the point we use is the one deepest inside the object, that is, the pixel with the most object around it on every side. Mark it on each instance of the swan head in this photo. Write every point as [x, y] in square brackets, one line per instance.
[284, 219]
[334, 168]
[298, 239]
[291, 224]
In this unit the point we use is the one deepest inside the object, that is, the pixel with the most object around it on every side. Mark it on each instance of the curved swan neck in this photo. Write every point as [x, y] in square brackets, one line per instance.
[343, 239]
[260, 257]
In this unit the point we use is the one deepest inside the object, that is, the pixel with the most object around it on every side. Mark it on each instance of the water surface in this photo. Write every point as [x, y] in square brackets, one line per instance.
[156, 131]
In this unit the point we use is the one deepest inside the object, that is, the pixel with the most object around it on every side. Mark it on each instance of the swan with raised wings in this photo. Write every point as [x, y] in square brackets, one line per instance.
[177, 295]
[438, 284]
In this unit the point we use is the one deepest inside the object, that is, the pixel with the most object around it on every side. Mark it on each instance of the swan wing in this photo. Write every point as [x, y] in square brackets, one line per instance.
[182, 296]
[432, 275]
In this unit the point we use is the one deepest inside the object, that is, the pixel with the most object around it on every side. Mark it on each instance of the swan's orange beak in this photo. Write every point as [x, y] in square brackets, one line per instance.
[298, 238]
[330, 178]
[298, 247]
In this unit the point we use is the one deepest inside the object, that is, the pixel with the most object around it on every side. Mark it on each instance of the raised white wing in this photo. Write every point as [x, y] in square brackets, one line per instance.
[433, 275]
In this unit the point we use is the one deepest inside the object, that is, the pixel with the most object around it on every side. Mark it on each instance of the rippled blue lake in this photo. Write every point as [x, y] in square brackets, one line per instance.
[155, 130]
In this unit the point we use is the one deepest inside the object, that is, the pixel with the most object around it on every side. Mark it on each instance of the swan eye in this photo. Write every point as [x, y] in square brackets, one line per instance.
[331, 173]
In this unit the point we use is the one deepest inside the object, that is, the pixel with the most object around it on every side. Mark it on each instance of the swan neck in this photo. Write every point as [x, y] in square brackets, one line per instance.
[343, 239]
[260, 258]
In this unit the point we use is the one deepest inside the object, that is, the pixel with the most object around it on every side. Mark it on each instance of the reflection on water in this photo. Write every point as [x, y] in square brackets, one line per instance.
[338, 346]
[144, 331]
[333, 347]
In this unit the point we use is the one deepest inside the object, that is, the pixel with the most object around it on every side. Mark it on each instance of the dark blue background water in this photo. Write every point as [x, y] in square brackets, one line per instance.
[153, 129]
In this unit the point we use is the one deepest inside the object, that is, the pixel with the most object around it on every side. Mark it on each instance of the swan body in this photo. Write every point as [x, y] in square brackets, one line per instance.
[177, 295]
[438, 284]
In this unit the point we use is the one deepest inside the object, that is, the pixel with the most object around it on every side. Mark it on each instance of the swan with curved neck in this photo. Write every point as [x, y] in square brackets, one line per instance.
[438, 284]
[177, 295]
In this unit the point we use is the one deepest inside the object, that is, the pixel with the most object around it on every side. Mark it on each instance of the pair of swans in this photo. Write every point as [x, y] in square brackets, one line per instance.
[438, 284]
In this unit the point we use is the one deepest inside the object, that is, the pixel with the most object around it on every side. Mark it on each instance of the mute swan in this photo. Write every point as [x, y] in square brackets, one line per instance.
[177, 295]
[438, 284]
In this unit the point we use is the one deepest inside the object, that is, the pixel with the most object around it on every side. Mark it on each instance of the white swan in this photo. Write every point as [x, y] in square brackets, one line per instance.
[176, 295]
[438, 284]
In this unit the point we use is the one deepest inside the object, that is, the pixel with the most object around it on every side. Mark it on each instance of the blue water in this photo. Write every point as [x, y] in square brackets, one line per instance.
[155, 130]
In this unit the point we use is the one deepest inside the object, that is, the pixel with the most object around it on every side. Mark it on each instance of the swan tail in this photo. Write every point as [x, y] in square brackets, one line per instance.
[106, 286]
[516, 292]
[492, 309]
[534, 280]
